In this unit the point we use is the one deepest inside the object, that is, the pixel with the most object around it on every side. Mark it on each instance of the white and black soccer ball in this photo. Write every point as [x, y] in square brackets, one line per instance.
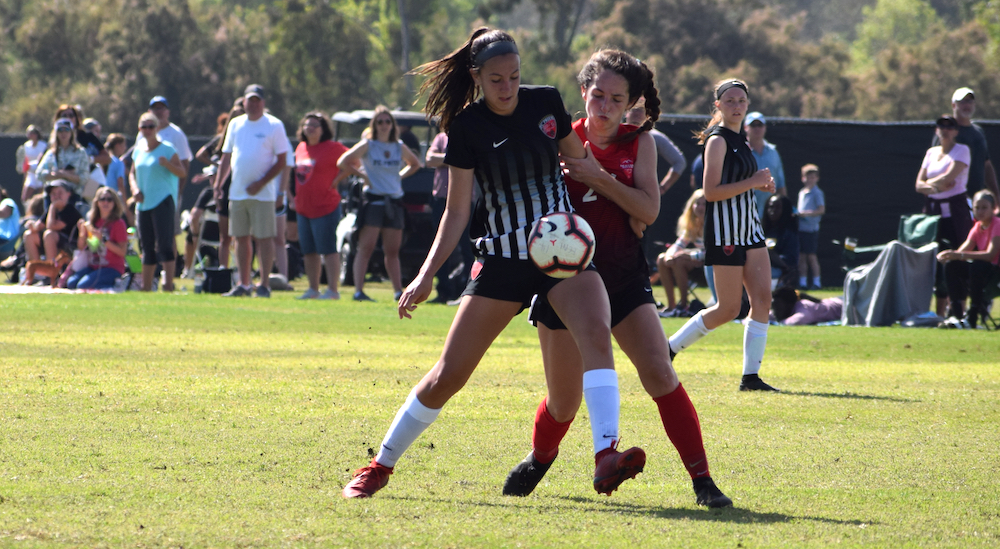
[561, 244]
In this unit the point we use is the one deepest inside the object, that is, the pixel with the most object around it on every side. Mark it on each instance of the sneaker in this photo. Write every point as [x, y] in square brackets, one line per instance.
[361, 296]
[708, 494]
[396, 296]
[329, 294]
[238, 291]
[666, 313]
[309, 294]
[523, 478]
[263, 291]
[612, 468]
[367, 481]
[753, 382]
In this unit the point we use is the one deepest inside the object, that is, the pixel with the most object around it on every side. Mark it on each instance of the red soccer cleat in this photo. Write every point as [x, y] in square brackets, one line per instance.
[367, 481]
[614, 467]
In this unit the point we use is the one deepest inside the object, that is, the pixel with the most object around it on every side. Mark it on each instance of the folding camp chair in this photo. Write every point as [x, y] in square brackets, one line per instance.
[990, 319]
[915, 231]
[206, 251]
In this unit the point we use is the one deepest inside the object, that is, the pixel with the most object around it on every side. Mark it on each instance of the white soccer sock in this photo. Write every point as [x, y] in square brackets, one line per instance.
[692, 330]
[600, 389]
[754, 342]
[411, 420]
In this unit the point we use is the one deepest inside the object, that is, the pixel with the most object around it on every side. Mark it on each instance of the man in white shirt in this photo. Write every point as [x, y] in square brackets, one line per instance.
[171, 133]
[256, 150]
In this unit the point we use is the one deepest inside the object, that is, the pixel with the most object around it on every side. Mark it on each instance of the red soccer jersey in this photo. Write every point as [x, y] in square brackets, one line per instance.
[618, 256]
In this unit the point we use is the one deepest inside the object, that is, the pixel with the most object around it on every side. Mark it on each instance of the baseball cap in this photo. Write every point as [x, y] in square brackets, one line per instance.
[90, 123]
[159, 99]
[755, 117]
[947, 121]
[961, 93]
[60, 183]
[254, 90]
[64, 122]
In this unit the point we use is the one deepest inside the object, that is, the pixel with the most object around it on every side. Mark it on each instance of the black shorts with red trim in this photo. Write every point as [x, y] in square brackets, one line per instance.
[729, 255]
[509, 280]
[636, 293]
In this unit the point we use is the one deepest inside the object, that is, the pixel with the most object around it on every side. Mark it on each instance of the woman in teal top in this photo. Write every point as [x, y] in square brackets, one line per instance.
[156, 170]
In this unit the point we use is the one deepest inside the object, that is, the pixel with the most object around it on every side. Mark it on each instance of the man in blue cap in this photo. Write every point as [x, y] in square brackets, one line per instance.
[766, 155]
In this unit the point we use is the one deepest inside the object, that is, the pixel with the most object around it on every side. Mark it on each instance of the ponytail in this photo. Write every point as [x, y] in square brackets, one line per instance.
[450, 87]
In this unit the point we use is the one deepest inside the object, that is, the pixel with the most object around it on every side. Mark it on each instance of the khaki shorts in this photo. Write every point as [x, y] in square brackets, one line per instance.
[252, 218]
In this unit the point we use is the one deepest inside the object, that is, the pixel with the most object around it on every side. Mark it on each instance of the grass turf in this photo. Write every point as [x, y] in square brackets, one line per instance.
[191, 420]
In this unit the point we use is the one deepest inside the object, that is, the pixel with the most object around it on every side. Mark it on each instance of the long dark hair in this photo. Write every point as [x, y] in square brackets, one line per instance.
[640, 83]
[450, 86]
[702, 136]
[237, 110]
[324, 124]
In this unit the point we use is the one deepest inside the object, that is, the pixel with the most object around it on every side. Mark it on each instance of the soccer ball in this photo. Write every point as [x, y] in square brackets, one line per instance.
[561, 244]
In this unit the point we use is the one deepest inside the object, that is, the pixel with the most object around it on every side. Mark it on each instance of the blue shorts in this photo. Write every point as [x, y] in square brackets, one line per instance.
[319, 235]
[808, 242]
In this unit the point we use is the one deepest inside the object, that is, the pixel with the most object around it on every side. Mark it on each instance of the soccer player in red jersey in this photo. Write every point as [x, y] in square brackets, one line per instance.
[615, 189]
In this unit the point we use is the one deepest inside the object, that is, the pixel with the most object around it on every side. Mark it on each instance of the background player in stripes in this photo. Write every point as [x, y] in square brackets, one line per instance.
[734, 239]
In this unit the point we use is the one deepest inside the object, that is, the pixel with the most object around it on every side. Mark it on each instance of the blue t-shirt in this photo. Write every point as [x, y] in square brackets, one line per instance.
[768, 158]
[810, 200]
[10, 227]
[155, 182]
[115, 170]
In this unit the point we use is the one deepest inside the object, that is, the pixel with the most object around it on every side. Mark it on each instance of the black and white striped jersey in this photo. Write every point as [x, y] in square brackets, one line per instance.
[734, 221]
[516, 163]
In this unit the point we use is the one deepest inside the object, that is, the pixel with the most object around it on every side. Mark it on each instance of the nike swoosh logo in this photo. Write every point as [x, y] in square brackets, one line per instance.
[495, 145]
[695, 464]
[609, 436]
[649, 290]
[734, 150]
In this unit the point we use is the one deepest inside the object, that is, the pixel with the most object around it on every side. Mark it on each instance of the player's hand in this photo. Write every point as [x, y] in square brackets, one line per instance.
[417, 292]
[586, 170]
[763, 180]
[638, 227]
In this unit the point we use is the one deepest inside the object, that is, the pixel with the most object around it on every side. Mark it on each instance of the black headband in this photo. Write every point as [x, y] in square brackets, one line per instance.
[730, 85]
[492, 50]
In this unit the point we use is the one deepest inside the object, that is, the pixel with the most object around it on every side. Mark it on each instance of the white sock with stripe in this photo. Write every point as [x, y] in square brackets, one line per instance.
[600, 389]
[412, 419]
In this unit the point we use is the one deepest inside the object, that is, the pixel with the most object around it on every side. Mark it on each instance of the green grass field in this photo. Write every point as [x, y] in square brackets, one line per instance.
[191, 420]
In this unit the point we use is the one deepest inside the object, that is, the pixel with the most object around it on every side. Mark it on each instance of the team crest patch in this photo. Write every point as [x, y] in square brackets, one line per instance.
[728, 250]
[548, 126]
[627, 166]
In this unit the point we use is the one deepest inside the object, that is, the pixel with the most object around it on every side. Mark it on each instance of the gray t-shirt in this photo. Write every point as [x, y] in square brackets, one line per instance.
[382, 165]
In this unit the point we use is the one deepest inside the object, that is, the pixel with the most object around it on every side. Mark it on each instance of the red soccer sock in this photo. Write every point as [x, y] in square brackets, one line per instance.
[680, 420]
[547, 435]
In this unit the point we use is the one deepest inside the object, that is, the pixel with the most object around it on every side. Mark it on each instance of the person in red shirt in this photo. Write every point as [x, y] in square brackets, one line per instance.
[615, 189]
[317, 202]
[104, 234]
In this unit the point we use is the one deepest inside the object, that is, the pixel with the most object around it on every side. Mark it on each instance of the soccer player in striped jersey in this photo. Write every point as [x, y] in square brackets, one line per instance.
[510, 140]
[616, 190]
[734, 238]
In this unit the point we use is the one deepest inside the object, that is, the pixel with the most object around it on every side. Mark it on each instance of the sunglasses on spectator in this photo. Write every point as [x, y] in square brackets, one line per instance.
[383, 121]
[105, 199]
[148, 127]
[310, 126]
[64, 129]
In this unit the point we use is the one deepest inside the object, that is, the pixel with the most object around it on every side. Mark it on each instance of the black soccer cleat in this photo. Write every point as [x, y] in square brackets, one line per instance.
[708, 494]
[523, 478]
[753, 382]
[671, 351]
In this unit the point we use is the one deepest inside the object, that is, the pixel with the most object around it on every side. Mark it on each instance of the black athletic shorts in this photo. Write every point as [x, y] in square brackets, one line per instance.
[635, 294]
[509, 280]
[729, 255]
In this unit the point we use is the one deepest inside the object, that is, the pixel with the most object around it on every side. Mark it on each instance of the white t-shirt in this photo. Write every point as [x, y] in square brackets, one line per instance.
[255, 147]
[937, 164]
[175, 136]
[32, 154]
